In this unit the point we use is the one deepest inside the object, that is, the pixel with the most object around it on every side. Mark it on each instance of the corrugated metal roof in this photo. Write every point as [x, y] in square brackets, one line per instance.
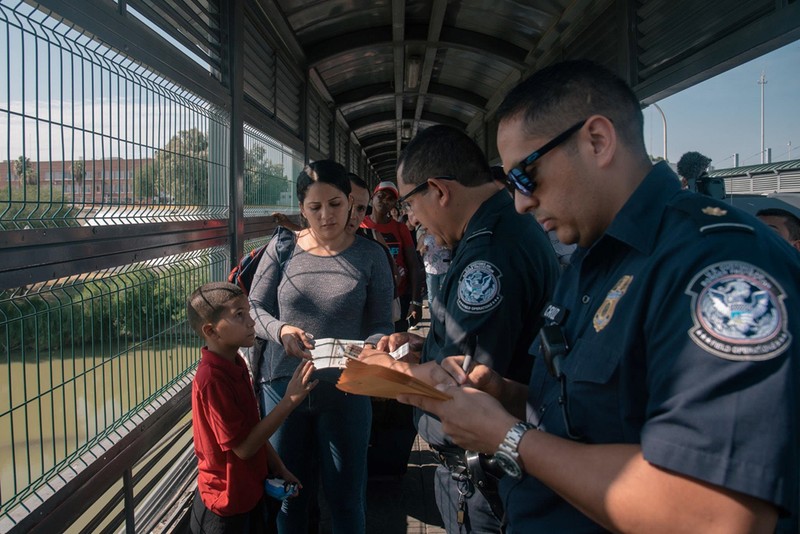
[391, 67]
[792, 165]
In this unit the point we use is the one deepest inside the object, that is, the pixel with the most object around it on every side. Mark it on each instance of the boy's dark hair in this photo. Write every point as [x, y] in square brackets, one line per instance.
[790, 219]
[325, 171]
[444, 151]
[562, 94]
[207, 302]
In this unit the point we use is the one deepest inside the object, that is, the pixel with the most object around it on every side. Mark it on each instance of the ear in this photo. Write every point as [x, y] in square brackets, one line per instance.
[602, 136]
[208, 330]
[441, 188]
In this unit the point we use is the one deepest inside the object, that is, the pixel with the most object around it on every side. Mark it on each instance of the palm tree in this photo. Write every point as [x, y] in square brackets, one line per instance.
[24, 169]
[78, 171]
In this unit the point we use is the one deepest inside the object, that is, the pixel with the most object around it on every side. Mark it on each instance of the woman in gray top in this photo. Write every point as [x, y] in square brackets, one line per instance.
[333, 285]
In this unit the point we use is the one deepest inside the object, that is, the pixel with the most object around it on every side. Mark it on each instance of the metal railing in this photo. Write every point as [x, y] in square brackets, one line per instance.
[115, 203]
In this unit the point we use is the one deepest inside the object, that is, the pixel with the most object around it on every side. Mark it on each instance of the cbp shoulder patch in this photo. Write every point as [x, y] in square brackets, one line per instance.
[738, 312]
[479, 287]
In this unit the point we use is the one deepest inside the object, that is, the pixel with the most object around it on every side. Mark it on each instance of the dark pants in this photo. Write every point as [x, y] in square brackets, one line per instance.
[205, 521]
[325, 438]
[402, 325]
[392, 438]
[478, 515]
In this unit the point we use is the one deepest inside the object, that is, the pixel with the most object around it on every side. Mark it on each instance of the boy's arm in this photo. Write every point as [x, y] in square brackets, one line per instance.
[263, 430]
[298, 388]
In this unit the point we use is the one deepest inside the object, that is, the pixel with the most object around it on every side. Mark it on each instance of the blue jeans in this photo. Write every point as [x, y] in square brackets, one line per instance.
[326, 438]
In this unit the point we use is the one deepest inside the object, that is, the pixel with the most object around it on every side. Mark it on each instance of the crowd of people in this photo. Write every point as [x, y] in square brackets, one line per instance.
[641, 378]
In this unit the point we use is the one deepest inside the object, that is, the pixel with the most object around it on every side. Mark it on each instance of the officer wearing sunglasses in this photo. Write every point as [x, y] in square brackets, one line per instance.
[664, 393]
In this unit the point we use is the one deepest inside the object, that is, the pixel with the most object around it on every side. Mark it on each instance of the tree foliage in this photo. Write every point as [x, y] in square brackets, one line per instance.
[25, 169]
[78, 171]
[264, 181]
[179, 172]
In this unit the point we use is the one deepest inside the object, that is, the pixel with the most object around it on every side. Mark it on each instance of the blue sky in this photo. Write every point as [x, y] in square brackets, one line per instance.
[722, 115]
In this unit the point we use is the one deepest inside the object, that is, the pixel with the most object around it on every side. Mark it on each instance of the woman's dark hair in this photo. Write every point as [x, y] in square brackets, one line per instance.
[325, 171]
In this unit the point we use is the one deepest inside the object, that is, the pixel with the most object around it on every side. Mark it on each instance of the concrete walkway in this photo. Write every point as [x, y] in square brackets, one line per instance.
[405, 505]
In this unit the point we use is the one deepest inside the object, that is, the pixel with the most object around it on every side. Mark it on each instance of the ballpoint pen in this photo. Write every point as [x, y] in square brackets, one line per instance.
[471, 344]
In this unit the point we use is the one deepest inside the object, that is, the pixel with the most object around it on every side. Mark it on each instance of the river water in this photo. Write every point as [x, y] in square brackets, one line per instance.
[48, 409]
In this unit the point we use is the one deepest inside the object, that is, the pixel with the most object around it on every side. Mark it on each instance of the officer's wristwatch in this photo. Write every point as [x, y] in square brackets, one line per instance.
[507, 454]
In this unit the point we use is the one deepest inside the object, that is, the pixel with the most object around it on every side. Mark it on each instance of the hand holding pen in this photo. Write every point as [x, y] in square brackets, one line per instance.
[471, 344]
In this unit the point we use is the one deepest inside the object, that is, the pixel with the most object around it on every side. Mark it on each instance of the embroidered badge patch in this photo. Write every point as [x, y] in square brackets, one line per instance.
[738, 312]
[479, 287]
[715, 211]
[606, 310]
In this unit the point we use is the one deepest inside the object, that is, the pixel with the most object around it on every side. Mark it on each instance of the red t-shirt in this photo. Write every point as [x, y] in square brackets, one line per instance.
[224, 411]
[397, 238]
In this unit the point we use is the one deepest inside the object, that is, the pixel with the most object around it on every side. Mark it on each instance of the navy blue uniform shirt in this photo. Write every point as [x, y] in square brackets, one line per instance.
[501, 274]
[680, 321]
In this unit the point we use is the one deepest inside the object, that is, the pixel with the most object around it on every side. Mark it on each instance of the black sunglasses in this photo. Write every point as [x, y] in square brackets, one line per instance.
[520, 179]
[403, 201]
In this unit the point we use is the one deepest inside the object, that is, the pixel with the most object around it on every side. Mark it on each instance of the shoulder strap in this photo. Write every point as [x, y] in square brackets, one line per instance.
[284, 247]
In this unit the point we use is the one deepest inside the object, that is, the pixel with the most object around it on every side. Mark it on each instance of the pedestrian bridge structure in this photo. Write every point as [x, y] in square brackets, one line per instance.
[145, 143]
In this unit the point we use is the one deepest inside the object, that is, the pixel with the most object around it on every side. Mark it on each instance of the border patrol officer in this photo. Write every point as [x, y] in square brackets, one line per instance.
[502, 272]
[665, 388]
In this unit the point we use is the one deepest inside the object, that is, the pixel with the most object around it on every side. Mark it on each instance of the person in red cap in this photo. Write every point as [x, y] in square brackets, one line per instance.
[401, 245]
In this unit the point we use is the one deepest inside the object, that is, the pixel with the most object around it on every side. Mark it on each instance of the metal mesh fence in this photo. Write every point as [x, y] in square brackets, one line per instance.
[79, 354]
[90, 137]
[270, 173]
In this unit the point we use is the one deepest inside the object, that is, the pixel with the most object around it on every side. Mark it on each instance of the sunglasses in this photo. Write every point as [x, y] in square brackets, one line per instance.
[403, 201]
[520, 179]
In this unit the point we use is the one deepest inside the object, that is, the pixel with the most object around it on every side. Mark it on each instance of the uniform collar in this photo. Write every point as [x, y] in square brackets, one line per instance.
[234, 369]
[638, 221]
[485, 217]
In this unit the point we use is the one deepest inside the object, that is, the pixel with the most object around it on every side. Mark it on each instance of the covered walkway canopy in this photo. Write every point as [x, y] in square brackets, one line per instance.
[354, 79]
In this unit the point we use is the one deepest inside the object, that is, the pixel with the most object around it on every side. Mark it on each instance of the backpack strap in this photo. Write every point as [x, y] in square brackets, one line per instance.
[284, 246]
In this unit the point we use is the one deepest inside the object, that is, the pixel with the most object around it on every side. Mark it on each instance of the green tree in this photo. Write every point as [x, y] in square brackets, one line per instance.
[78, 171]
[181, 169]
[264, 181]
[25, 169]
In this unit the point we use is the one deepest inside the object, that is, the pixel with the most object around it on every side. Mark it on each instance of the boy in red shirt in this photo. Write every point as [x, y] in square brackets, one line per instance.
[230, 440]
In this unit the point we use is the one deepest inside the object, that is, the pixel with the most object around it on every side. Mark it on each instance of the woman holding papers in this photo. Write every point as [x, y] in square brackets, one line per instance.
[335, 285]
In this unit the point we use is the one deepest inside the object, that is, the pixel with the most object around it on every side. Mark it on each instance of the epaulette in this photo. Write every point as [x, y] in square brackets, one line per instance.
[710, 215]
[483, 232]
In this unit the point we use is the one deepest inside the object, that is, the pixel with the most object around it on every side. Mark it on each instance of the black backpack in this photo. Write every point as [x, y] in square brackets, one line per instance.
[243, 273]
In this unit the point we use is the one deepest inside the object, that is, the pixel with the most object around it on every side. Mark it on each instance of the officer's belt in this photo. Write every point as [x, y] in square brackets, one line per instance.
[478, 468]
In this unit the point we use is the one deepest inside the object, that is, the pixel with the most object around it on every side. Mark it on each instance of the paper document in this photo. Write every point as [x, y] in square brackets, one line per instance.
[331, 352]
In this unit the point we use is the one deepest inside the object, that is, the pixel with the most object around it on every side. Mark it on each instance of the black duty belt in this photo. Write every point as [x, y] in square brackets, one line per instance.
[476, 468]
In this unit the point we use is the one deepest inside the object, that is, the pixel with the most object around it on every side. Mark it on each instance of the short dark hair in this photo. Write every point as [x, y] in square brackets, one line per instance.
[792, 221]
[325, 171]
[207, 302]
[444, 151]
[564, 93]
[357, 181]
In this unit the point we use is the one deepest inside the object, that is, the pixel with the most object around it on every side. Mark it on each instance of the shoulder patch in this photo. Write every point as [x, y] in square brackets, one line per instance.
[738, 312]
[479, 287]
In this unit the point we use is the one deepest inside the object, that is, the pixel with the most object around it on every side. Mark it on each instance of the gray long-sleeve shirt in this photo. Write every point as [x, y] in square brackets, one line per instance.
[347, 296]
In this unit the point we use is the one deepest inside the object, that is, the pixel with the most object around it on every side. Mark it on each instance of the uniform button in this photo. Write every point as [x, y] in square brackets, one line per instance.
[585, 299]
